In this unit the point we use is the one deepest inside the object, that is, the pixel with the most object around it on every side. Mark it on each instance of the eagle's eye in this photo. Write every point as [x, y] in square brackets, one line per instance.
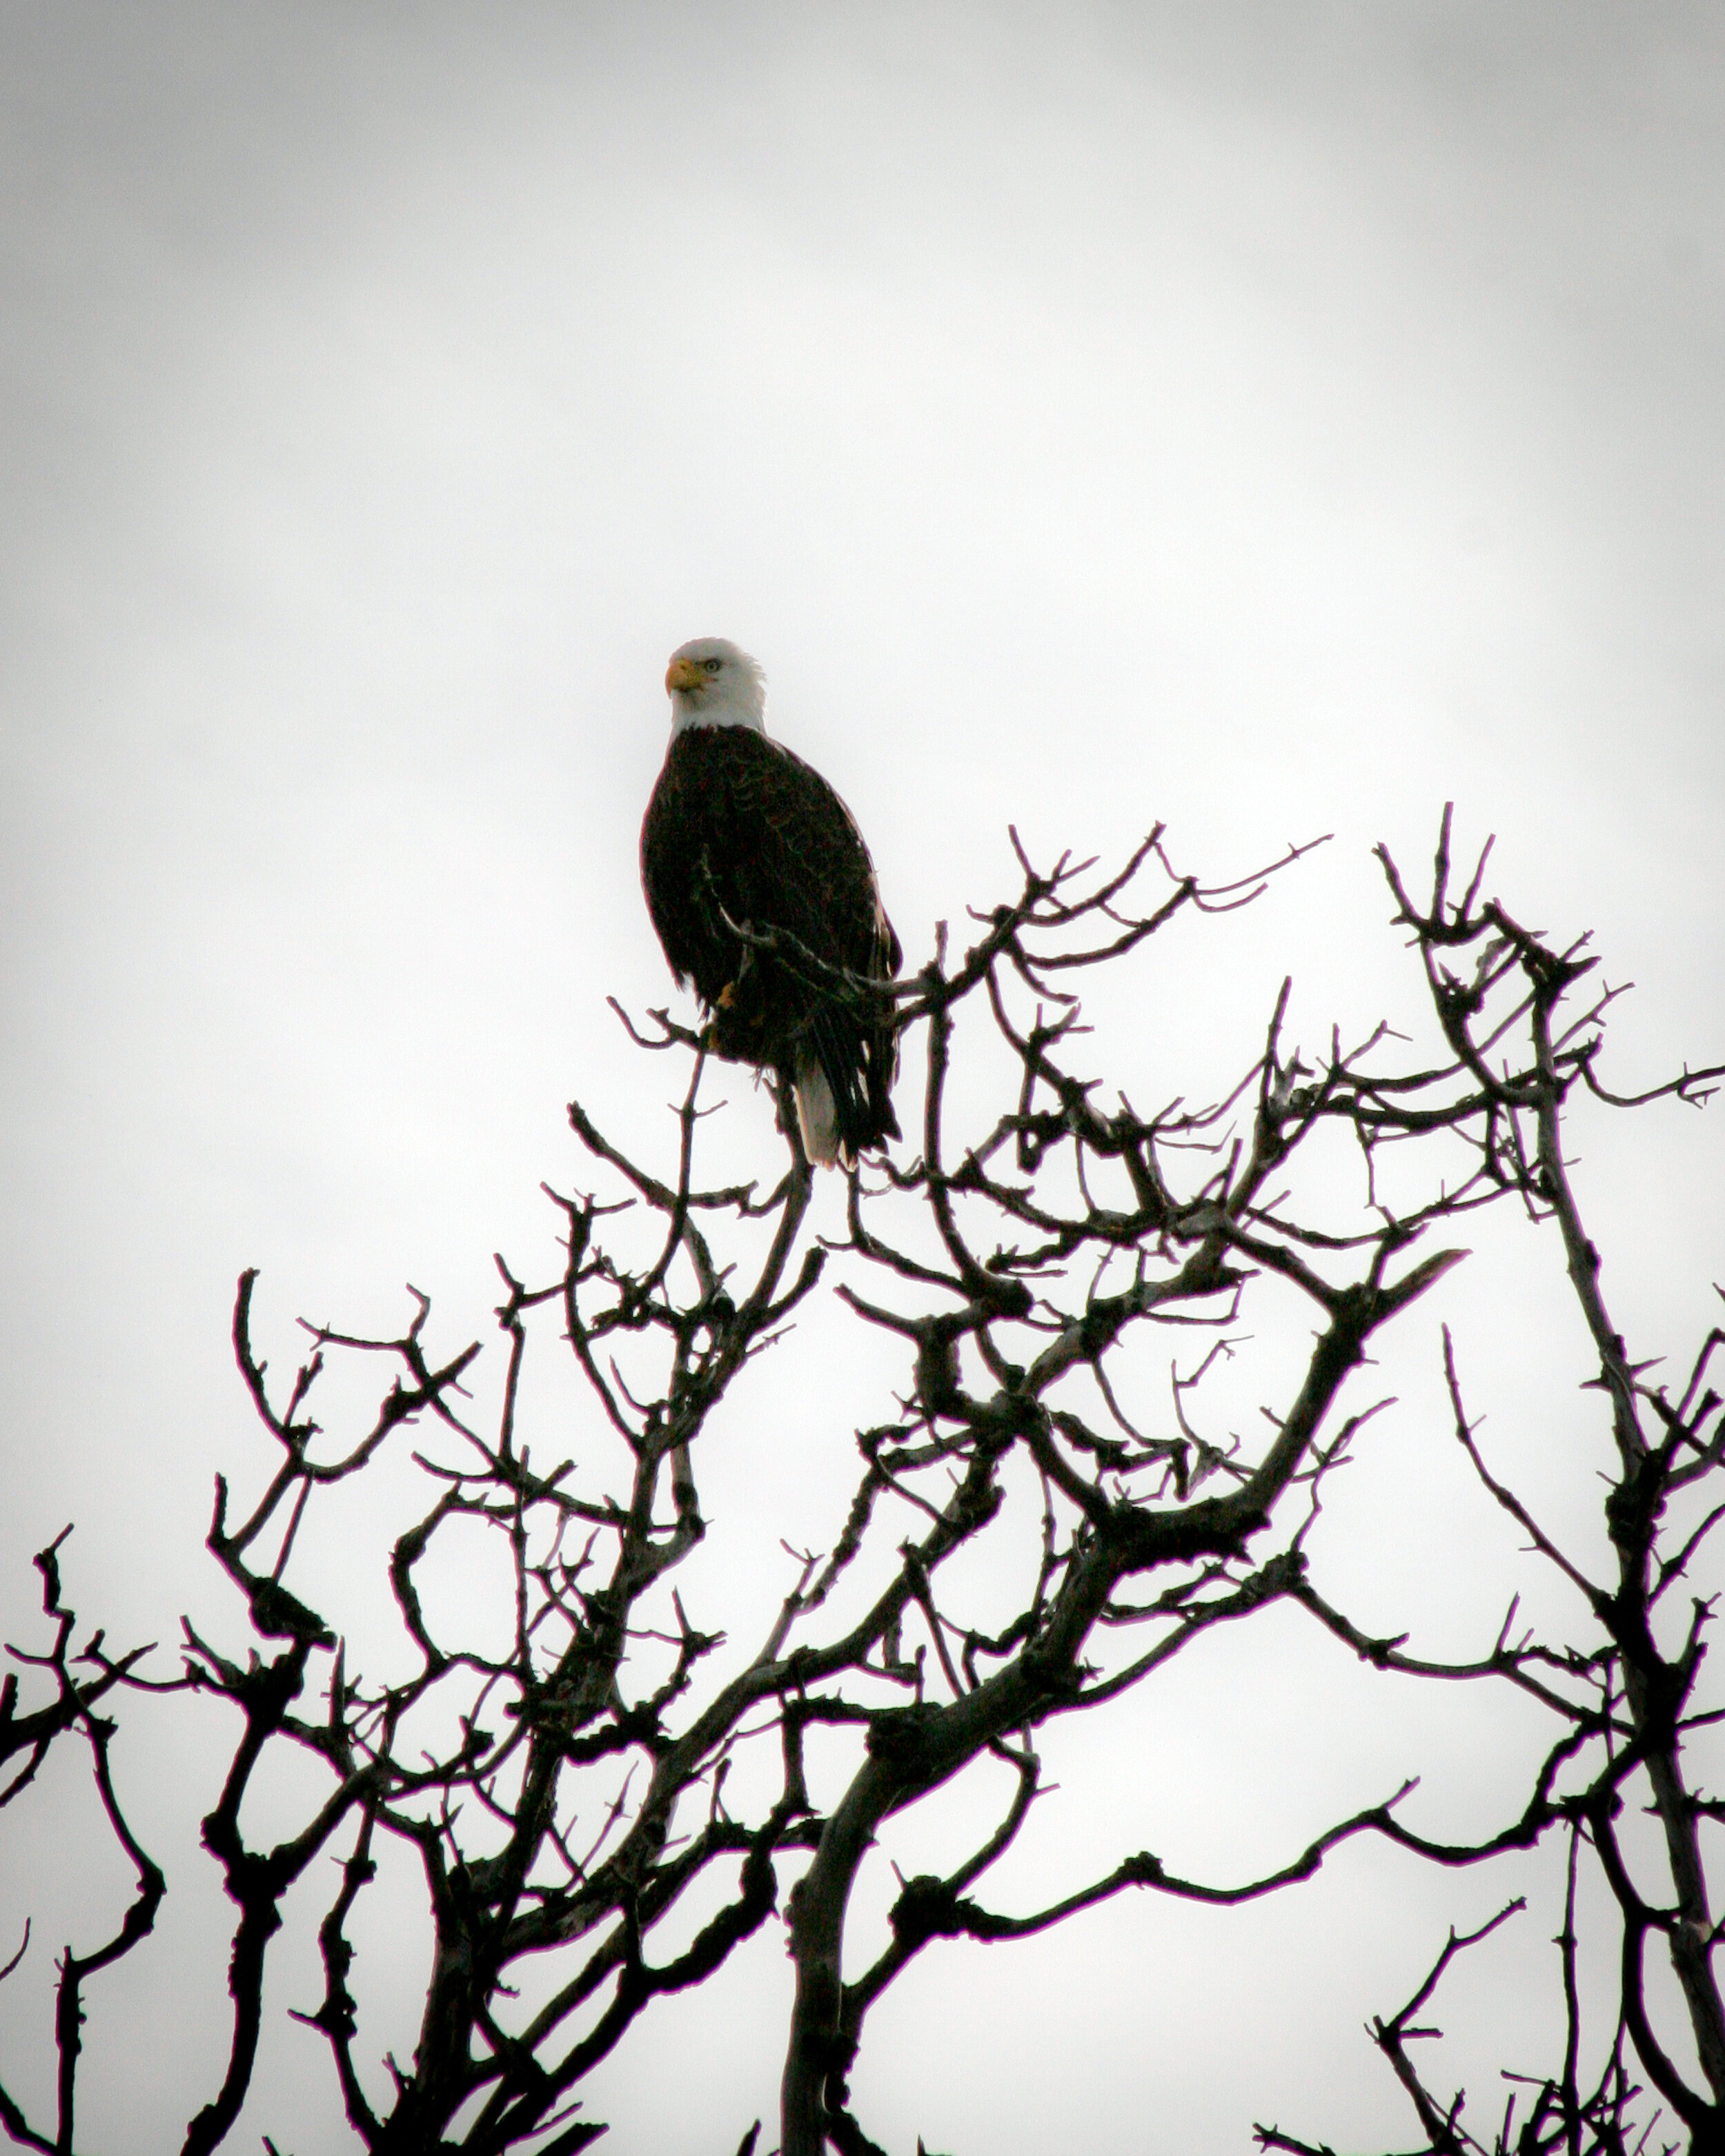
[712, 666]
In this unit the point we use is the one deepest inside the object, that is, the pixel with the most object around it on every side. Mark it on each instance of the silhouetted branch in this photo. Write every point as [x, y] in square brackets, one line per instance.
[609, 1758]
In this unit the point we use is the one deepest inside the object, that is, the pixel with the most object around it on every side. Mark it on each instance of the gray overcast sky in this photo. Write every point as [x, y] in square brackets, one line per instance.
[1272, 418]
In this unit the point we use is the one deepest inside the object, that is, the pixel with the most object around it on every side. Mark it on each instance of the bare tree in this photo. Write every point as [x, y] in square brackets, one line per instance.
[566, 1793]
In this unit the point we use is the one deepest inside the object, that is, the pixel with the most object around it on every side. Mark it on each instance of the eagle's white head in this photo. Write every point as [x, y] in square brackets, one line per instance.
[713, 684]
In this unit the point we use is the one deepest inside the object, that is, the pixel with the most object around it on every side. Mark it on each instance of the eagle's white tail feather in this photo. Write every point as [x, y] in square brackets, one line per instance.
[817, 1114]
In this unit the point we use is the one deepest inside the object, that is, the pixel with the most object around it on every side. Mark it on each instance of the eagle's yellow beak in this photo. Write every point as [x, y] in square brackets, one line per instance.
[682, 674]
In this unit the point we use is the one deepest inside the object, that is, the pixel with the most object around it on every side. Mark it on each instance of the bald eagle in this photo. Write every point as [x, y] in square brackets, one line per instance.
[740, 835]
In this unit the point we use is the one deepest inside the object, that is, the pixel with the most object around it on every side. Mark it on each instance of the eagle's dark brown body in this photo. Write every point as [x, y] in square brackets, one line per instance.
[739, 828]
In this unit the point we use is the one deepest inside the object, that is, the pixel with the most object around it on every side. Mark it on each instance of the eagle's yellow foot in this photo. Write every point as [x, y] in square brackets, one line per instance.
[728, 997]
